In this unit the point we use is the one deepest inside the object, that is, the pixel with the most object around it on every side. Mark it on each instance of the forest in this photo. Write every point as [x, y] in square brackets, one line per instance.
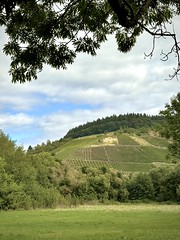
[113, 123]
[40, 180]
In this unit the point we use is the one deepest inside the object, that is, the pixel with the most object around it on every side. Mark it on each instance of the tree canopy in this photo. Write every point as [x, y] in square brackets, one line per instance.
[171, 128]
[53, 32]
[110, 124]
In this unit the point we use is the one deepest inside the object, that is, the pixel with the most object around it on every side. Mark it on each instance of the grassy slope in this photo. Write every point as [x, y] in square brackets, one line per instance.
[121, 222]
[126, 152]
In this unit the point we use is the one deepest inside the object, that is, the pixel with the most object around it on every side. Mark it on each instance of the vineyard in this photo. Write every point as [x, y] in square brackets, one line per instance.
[129, 153]
[156, 141]
[125, 139]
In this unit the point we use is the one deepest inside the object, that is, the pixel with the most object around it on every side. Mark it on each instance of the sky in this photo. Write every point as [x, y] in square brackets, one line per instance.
[91, 88]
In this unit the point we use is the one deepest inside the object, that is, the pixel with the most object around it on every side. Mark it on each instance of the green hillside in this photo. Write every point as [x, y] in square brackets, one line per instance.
[122, 151]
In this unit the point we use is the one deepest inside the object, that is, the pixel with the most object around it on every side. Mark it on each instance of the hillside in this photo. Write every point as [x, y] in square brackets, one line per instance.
[127, 152]
[126, 123]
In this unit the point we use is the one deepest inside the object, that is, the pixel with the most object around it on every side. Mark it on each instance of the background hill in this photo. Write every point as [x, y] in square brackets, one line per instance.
[129, 152]
[126, 123]
[128, 143]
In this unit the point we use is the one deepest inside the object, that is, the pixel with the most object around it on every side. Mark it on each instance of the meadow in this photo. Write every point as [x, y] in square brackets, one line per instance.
[112, 222]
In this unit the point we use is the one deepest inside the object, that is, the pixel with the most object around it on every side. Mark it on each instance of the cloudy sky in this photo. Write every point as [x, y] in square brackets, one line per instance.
[91, 88]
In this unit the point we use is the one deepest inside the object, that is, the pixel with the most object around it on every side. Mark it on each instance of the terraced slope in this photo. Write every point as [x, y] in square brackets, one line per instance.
[125, 152]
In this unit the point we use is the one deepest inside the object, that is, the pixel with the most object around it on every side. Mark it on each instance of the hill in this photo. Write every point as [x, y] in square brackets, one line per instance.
[126, 142]
[126, 123]
[129, 152]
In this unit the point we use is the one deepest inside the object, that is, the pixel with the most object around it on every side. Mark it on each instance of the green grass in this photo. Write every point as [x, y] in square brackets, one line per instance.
[120, 222]
[68, 150]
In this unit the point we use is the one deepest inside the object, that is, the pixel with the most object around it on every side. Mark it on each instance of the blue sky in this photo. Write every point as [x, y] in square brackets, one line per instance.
[91, 88]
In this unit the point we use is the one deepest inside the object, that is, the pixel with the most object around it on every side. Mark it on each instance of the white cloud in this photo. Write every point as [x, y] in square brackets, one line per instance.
[15, 121]
[58, 124]
[91, 88]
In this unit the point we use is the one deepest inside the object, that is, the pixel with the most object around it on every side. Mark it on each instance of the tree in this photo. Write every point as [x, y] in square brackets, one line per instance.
[159, 176]
[7, 146]
[141, 187]
[53, 32]
[171, 129]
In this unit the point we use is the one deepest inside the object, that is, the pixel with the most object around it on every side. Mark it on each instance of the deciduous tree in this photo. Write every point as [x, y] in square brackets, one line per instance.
[53, 32]
[171, 129]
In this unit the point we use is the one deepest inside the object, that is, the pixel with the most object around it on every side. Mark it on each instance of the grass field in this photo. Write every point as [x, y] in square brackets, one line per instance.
[113, 222]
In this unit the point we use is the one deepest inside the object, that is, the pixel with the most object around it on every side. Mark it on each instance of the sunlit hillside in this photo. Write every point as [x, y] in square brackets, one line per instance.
[124, 151]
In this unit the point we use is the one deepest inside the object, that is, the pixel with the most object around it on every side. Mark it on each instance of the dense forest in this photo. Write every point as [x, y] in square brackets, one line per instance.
[29, 180]
[113, 123]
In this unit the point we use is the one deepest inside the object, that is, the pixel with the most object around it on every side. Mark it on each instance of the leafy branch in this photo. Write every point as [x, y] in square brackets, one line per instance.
[53, 32]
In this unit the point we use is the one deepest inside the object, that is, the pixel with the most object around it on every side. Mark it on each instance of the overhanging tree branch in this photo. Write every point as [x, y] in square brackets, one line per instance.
[54, 31]
[175, 48]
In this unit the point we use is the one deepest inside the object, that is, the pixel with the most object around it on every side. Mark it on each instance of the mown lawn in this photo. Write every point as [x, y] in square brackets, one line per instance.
[119, 222]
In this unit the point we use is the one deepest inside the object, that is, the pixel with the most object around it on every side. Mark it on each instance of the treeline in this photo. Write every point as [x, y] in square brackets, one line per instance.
[42, 181]
[113, 123]
[25, 180]
[49, 146]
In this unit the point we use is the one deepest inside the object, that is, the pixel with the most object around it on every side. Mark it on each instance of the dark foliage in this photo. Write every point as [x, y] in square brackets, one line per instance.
[53, 32]
[114, 123]
[171, 126]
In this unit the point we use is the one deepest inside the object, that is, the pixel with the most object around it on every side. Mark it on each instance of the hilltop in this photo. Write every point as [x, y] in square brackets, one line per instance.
[114, 123]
